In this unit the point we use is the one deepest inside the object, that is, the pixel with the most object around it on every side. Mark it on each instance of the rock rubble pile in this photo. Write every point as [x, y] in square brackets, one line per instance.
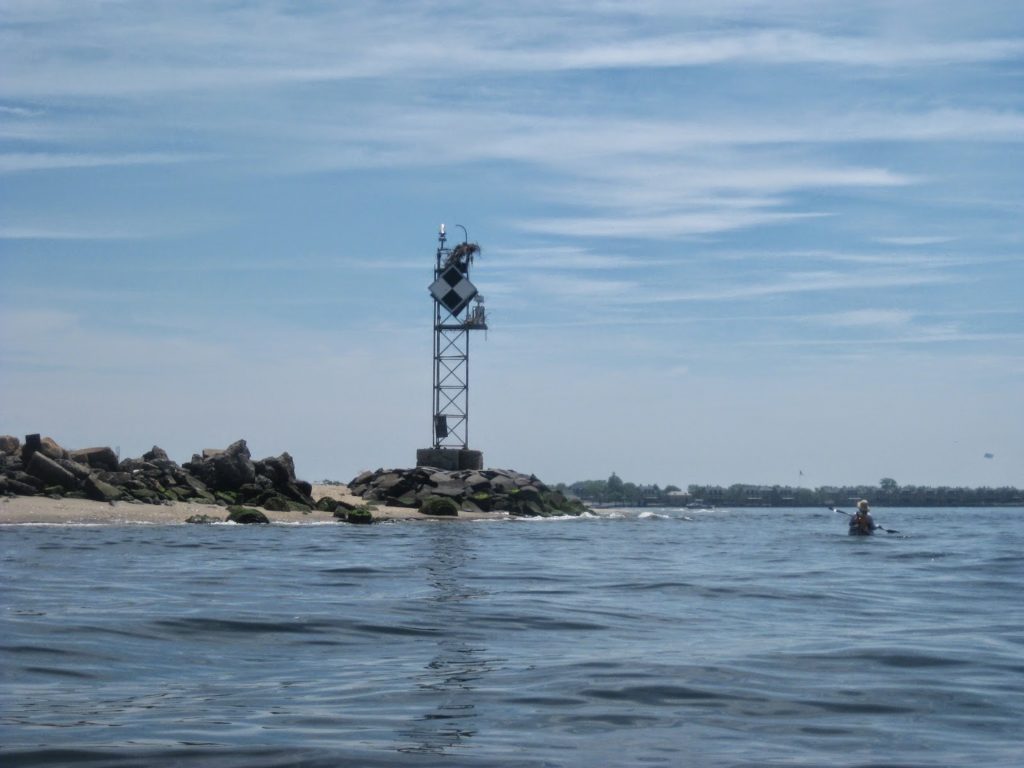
[41, 466]
[484, 490]
[231, 478]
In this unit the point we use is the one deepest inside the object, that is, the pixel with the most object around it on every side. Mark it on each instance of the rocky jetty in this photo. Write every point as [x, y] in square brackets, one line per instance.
[230, 478]
[226, 477]
[484, 490]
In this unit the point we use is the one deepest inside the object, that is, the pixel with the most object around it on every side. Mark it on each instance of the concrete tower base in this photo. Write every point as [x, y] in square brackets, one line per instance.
[450, 459]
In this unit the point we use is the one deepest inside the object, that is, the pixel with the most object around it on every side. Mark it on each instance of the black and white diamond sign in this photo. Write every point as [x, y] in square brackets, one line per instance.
[452, 290]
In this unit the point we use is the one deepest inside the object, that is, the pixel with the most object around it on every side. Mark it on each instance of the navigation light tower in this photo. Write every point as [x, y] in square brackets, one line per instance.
[458, 309]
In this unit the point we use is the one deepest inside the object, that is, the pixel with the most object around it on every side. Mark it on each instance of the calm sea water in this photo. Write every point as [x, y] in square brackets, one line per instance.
[652, 637]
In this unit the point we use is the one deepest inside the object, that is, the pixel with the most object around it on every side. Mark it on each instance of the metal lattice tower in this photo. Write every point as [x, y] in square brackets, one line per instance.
[454, 318]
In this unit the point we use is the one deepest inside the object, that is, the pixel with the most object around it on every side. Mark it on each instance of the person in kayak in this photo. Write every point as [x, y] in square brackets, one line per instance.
[862, 522]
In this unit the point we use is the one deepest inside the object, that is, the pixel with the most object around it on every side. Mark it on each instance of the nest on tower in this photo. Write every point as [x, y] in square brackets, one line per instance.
[462, 254]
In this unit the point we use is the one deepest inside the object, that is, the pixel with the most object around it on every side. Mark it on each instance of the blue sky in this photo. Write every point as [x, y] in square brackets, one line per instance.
[723, 241]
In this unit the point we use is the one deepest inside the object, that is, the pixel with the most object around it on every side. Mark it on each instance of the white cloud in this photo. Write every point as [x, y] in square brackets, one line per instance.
[924, 335]
[198, 47]
[18, 112]
[598, 145]
[776, 46]
[858, 318]
[917, 259]
[9, 232]
[707, 185]
[13, 162]
[666, 226]
[559, 258]
[914, 240]
[804, 282]
[130, 225]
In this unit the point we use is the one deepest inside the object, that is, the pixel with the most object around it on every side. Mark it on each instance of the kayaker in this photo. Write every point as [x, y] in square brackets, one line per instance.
[863, 522]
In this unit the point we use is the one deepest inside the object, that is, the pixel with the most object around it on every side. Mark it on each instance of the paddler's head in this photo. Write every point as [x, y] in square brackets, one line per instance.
[862, 506]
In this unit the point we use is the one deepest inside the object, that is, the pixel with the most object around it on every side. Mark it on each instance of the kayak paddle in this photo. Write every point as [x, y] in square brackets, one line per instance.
[887, 530]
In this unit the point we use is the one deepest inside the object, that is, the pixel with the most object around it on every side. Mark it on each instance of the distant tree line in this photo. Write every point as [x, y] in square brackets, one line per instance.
[615, 491]
[888, 493]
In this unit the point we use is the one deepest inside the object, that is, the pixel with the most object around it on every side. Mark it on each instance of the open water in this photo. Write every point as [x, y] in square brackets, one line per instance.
[751, 637]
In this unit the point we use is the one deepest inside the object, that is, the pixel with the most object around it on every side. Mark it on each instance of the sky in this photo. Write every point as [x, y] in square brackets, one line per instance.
[722, 241]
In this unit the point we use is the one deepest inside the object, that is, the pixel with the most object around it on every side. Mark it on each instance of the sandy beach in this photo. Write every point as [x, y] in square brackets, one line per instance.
[62, 511]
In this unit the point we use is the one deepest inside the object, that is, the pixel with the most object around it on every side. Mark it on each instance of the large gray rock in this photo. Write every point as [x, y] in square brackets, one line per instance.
[246, 516]
[362, 480]
[226, 470]
[18, 486]
[50, 472]
[156, 453]
[234, 467]
[80, 471]
[197, 489]
[439, 506]
[476, 481]
[26, 479]
[451, 488]
[97, 458]
[10, 445]
[101, 491]
[280, 470]
[45, 445]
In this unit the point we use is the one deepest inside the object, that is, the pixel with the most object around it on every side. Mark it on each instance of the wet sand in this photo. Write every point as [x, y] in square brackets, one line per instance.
[46, 510]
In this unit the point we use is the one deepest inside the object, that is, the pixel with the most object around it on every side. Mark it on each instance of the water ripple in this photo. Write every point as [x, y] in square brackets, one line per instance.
[728, 641]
